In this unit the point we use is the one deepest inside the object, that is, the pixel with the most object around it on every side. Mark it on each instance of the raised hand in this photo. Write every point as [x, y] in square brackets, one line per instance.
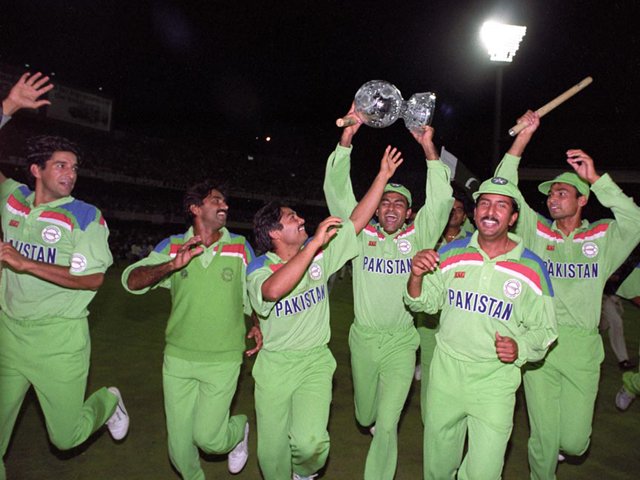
[390, 162]
[26, 92]
[583, 165]
[424, 136]
[326, 230]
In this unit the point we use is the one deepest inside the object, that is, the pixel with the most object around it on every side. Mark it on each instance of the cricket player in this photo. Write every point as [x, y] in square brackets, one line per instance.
[497, 314]
[580, 256]
[458, 226]
[629, 289]
[54, 253]
[205, 270]
[288, 290]
[383, 339]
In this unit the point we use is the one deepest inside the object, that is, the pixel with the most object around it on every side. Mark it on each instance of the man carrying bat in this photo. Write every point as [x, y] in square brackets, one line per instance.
[579, 257]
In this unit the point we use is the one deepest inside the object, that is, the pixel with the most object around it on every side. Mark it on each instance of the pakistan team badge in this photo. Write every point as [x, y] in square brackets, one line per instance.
[315, 271]
[404, 246]
[589, 249]
[51, 234]
[512, 288]
[227, 274]
[78, 263]
[499, 181]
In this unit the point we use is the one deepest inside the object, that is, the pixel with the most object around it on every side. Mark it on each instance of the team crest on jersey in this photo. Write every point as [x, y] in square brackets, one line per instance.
[404, 246]
[589, 249]
[78, 263]
[315, 271]
[512, 288]
[227, 274]
[51, 234]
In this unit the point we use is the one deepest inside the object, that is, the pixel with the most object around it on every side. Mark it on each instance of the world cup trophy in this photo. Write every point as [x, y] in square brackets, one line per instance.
[379, 104]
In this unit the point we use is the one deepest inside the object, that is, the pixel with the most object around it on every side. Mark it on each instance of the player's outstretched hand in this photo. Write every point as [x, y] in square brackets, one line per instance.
[187, 251]
[26, 93]
[326, 230]
[506, 348]
[391, 160]
[424, 261]
[583, 165]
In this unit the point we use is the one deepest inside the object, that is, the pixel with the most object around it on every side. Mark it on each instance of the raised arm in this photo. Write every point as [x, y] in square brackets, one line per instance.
[508, 168]
[624, 231]
[281, 282]
[338, 190]
[26, 93]
[365, 209]
[432, 218]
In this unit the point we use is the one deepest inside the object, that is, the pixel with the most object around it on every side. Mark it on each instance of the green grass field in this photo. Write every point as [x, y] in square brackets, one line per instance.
[127, 335]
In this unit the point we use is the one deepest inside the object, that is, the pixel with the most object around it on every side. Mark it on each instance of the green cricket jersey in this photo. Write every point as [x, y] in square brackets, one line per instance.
[66, 232]
[630, 288]
[579, 264]
[383, 264]
[510, 294]
[208, 297]
[300, 320]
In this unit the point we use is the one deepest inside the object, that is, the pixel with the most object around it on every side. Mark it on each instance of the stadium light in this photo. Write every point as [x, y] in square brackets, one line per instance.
[502, 40]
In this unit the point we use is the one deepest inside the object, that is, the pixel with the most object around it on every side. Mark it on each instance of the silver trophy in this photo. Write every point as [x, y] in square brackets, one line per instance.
[379, 103]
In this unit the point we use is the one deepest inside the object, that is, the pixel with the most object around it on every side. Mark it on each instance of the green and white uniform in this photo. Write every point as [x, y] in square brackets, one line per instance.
[294, 368]
[470, 388]
[205, 344]
[427, 325]
[383, 339]
[44, 334]
[629, 289]
[561, 391]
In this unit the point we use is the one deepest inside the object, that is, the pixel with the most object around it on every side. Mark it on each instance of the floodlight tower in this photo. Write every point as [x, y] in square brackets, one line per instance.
[502, 42]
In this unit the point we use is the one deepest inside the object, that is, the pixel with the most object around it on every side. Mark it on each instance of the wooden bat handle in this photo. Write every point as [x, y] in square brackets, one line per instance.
[563, 97]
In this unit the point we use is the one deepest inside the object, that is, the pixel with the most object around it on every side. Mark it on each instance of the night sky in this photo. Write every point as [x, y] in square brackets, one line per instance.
[231, 71]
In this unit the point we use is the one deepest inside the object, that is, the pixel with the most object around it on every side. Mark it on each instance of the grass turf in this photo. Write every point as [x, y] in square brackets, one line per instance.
[128, 338]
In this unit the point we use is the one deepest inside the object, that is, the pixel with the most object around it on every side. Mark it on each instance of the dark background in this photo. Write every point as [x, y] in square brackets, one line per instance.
[230, 73]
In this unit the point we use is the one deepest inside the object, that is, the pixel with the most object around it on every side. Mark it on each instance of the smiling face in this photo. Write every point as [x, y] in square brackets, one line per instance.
[213, 211]
[392, 211]
[564, 201]
[57, 178]
[494, 214]
[292, 232]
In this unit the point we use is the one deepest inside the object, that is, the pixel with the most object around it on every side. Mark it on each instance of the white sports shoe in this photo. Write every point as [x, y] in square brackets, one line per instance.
[238, 457]
[118, 423]
[561, 458]
[624, 399]
[300, 477]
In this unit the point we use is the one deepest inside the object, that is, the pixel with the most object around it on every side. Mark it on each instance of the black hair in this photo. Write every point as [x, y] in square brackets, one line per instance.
[196, 194]
[461, 195]
[266, 220]
[42, 147]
